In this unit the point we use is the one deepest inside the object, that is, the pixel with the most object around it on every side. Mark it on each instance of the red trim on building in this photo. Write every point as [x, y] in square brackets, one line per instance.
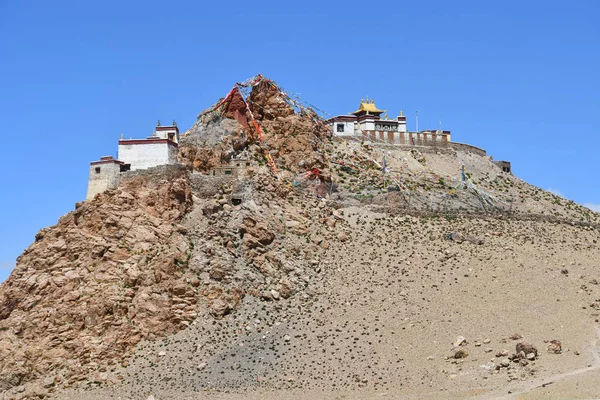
[343, 118]
[148, 141]
[369, 116]
[113, 161]
[167, 128]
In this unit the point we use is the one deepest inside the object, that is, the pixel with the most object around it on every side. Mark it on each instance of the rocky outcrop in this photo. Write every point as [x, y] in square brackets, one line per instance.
[207, 146]
[89, 288]
[295, 140]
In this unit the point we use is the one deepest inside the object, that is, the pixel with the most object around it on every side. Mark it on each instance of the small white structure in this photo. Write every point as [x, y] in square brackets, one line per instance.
[104, 175]
[159, 149]
[147, 153]
[167, 132]
[367, 121]
[134, 154]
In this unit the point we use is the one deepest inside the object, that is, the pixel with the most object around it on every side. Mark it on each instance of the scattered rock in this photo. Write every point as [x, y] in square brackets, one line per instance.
[460, 341]
[502, 353]
[48, 382]
[555, 347]
[527, 349]
[460, 354]
[219, 308]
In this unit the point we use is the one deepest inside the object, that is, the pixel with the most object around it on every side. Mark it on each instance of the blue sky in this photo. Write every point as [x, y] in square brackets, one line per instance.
[518, 78]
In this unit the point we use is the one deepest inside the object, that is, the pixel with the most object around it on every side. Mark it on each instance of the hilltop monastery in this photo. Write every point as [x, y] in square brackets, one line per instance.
[367, 122]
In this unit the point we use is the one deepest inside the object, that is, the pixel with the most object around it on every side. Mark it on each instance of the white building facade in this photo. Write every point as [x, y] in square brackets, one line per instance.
[147, 153]
[134, 154]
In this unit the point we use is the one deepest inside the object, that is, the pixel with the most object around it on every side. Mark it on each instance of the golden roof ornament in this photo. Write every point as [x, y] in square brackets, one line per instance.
[368, 107]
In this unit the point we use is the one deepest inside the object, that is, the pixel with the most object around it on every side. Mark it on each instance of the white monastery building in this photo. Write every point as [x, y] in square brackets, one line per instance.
[367, 121]
[134, 154]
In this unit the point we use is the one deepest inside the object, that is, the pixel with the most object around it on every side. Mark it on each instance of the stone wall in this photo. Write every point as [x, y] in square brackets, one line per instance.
[426, 138]
[505, 166]
[167, 172]
[206, 186]
[467, 148]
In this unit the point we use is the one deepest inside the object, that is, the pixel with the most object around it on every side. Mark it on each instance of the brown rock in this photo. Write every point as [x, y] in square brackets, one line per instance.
[516, 336]
[527, 349]
[460, 354]
[555, 347]
[219, 308]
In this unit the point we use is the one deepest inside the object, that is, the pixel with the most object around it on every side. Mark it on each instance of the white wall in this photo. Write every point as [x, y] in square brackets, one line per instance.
[147, 155]
[165, 134]
[366, 125]
[107, 178]
[348, 128]
[401, 126]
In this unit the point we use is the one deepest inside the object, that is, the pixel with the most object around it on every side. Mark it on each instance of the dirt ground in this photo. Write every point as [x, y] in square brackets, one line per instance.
[384, 315]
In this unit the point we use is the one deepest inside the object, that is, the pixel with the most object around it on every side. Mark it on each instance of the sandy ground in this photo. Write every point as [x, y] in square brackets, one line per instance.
[381, 320]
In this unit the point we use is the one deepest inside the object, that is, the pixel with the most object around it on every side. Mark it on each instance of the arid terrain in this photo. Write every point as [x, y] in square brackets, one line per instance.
[329, 279]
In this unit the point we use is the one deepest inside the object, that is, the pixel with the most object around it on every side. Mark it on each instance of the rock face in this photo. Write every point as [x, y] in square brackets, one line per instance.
[293, 139]
[106, 276]
[144, 261]
[207, 146]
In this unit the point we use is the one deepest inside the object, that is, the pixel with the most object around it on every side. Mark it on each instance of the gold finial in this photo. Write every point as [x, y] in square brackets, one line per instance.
[362, 100]
[158, 123]
[401, 113]
[174, 123]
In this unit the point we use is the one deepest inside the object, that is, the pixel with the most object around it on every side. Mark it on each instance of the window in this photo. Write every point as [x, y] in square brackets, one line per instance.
[227, 172]
[97, 170]
[340, 127]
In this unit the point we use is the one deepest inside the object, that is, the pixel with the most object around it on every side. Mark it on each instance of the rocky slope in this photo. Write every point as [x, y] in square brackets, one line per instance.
[350, 282]
[96, 283]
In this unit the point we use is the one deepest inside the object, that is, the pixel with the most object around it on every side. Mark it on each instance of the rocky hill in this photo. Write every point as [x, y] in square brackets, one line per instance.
[315, 275]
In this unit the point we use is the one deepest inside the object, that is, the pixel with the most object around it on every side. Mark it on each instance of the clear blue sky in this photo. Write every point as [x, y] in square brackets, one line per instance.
[518, 78]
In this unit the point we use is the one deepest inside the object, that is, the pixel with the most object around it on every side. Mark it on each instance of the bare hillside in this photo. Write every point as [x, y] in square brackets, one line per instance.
[314, 268]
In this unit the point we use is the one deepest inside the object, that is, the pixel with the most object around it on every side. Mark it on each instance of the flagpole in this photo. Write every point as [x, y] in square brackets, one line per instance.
[417, 118]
